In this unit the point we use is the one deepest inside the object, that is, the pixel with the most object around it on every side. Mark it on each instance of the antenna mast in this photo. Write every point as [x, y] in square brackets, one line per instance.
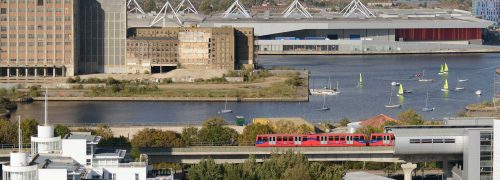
[46, 104]
[19, 134]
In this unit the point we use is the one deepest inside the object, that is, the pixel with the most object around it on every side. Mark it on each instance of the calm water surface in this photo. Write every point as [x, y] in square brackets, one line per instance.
[353, 102]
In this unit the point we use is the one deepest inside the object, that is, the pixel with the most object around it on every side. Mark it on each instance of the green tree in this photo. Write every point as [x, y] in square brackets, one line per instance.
[214, 132]
[156, 138]
[368, 130]
[189, 135]
[135, 153]
[115, 142]
[206, 170]
[286, 127]
[7, 132]
[28, 128]
[104, 131]
[410, 117]
[61, 130]
[251, 131]
[149, 5]
[344, 121]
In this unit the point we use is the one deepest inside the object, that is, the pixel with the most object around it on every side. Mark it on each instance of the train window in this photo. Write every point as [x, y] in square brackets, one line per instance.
[362, 138]
[330, 138]
[437, 141]
[414, 141]
[342, 138]
[279, 138]
[336, 138]
[449, 141]
[259, 139]
[290, 138]
[304, 138]
[285, 138]
[317, 138]
[392, 138]
[356, 138]
[379, 138]
[264, 139]
[425, 141]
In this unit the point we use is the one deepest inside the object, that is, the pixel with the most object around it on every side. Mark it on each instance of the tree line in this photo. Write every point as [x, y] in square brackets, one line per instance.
[286, 166]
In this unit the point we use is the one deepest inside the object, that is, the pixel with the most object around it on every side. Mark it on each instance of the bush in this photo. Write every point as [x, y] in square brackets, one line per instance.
[61, 130]
[167, 80]
[70, 80]
[344, 122]
[156, 138]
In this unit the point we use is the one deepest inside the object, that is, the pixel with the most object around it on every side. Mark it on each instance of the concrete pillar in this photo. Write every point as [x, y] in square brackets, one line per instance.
[36, 72]
[44, 72]
[26, 72]
[54, 72]
[8, 72]
[408, 169]
[447, 170]
[17, 72]
[63, 69]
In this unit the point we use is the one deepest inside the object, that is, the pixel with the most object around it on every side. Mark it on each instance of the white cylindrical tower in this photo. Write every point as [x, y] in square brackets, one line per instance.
[19, 168]
[45, 142]
[45, 131]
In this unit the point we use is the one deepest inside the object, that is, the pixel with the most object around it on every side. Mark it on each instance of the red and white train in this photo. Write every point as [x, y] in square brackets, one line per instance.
[323, 140]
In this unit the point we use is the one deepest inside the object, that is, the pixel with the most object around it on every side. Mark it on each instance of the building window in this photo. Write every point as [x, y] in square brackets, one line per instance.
[89, 162]
[136, 176]
[39, 3]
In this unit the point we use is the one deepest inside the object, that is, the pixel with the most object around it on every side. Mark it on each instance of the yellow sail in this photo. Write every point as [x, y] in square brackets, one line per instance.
[360, 79]
[445, 86]
[445, 67]
[442, 69]
[401, 91]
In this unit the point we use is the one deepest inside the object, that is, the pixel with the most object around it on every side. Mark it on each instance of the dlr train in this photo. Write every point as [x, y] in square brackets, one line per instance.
[323, 140]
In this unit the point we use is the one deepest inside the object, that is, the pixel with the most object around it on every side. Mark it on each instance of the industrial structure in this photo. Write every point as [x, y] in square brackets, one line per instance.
[354, 30]
[487, 9]
[39, 38]
[158, 50]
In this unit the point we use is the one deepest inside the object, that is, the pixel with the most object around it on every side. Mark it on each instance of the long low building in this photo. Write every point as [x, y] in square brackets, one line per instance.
[406, 31]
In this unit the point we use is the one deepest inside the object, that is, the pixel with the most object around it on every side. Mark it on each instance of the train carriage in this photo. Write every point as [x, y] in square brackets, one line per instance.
[293, 140]
[382, 139]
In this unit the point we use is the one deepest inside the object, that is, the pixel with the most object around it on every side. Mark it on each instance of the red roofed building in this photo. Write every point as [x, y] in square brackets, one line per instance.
[377, 121]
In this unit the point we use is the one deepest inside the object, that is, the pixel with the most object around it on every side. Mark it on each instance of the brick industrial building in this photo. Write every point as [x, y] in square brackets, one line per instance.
[38, 38]
[162, 49]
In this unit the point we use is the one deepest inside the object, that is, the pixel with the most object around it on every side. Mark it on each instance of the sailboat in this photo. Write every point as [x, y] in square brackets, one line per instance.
[441, 70]
[327, 90]
[422, 78]
[390, 105]
[225, 110]
[324, 107]
[445, 86]
[360, 83]
[401, 90]
[426, 108]
[459, 87]
[445, 68]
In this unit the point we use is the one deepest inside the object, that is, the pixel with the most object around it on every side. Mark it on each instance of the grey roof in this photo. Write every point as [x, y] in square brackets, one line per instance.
[360, 175]
[118, 153]
[440, 130]
[47, 161]
[386, 19]
[84, 135]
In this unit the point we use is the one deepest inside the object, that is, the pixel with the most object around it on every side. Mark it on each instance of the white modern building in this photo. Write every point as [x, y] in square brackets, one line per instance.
[73, 157]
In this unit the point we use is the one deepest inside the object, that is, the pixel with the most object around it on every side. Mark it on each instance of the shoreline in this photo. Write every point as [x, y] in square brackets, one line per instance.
[378, 53]
[175, 99]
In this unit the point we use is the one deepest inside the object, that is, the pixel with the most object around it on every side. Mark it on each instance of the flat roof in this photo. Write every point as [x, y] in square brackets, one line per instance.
[116, 153]
[84, 135]
[47, 161]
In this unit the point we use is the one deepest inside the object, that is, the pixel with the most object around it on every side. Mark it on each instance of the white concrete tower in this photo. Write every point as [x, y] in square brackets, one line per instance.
[19, 167]
[45, 142]
[496, 149]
